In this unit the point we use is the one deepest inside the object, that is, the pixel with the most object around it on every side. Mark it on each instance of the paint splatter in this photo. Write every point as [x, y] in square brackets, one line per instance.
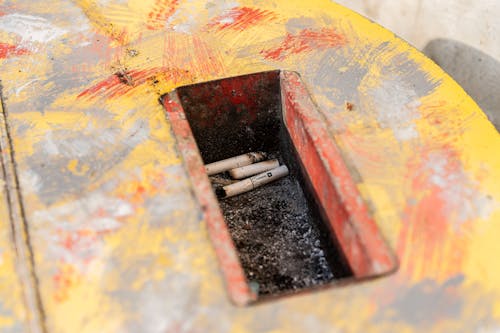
[161, 12]
[137, 189]
[7, 50]
[241, 18]
[433, 241]
[65, 278]
[305, 41]
[76, 232]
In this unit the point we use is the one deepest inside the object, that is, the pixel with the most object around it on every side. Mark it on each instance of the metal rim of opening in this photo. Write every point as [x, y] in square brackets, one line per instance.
[349, 217]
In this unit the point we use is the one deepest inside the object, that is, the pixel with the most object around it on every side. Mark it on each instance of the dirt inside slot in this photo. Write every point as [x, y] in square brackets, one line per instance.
[282, 240]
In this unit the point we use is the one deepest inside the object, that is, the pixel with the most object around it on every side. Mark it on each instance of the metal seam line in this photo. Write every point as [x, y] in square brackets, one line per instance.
[25, 264]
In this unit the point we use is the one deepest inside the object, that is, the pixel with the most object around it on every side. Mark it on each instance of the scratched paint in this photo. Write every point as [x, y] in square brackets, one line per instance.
[119, 240]
[242, 18]
[305, 41]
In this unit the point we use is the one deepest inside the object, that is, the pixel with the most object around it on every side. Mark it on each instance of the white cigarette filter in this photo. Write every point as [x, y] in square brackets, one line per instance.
[234, 162]
[253, 182]
[253, 169]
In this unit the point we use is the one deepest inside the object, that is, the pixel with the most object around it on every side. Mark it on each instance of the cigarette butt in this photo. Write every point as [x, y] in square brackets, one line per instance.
[219, 180]
[253, 182]
[234, 162]
[253, 169]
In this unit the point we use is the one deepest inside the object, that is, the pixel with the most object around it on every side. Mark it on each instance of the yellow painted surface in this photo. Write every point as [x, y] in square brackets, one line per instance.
[117, 235]
[14, 313]
[12, 310]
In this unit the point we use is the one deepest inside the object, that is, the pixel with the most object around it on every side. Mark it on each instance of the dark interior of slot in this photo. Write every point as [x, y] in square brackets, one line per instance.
[283, 241]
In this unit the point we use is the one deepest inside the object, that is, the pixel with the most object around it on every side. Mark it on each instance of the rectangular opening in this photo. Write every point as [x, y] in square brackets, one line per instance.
[289, 235]
[282, 241]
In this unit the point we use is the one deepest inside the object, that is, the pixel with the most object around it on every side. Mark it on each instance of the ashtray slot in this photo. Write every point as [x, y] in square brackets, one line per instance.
[294, 234]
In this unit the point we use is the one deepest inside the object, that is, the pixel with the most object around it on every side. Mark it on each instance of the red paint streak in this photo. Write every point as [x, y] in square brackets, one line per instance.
[206, 60]
[347, 213]
[7, 50]
[110, 86]
[364, 147]
[241, 18]
[305, 41]
[197, 58]
[428, 244]
[161, 12]
[121, 84]
[221, 239]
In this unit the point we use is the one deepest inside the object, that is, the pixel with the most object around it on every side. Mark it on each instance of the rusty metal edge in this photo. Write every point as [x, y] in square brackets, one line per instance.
[374, 256]
[236, 283]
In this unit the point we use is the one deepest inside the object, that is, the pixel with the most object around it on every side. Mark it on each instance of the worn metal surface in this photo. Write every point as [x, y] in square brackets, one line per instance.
[117, 236]
[450, 33]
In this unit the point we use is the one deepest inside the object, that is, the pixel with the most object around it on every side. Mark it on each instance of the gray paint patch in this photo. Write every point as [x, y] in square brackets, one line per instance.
[458, 190]
[295, 25]
[426, 303]
[99, 149]
[395, 105]
[340, 75]
[409, 72]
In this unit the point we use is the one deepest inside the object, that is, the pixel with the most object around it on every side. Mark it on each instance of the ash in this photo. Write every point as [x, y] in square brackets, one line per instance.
[278, 236]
